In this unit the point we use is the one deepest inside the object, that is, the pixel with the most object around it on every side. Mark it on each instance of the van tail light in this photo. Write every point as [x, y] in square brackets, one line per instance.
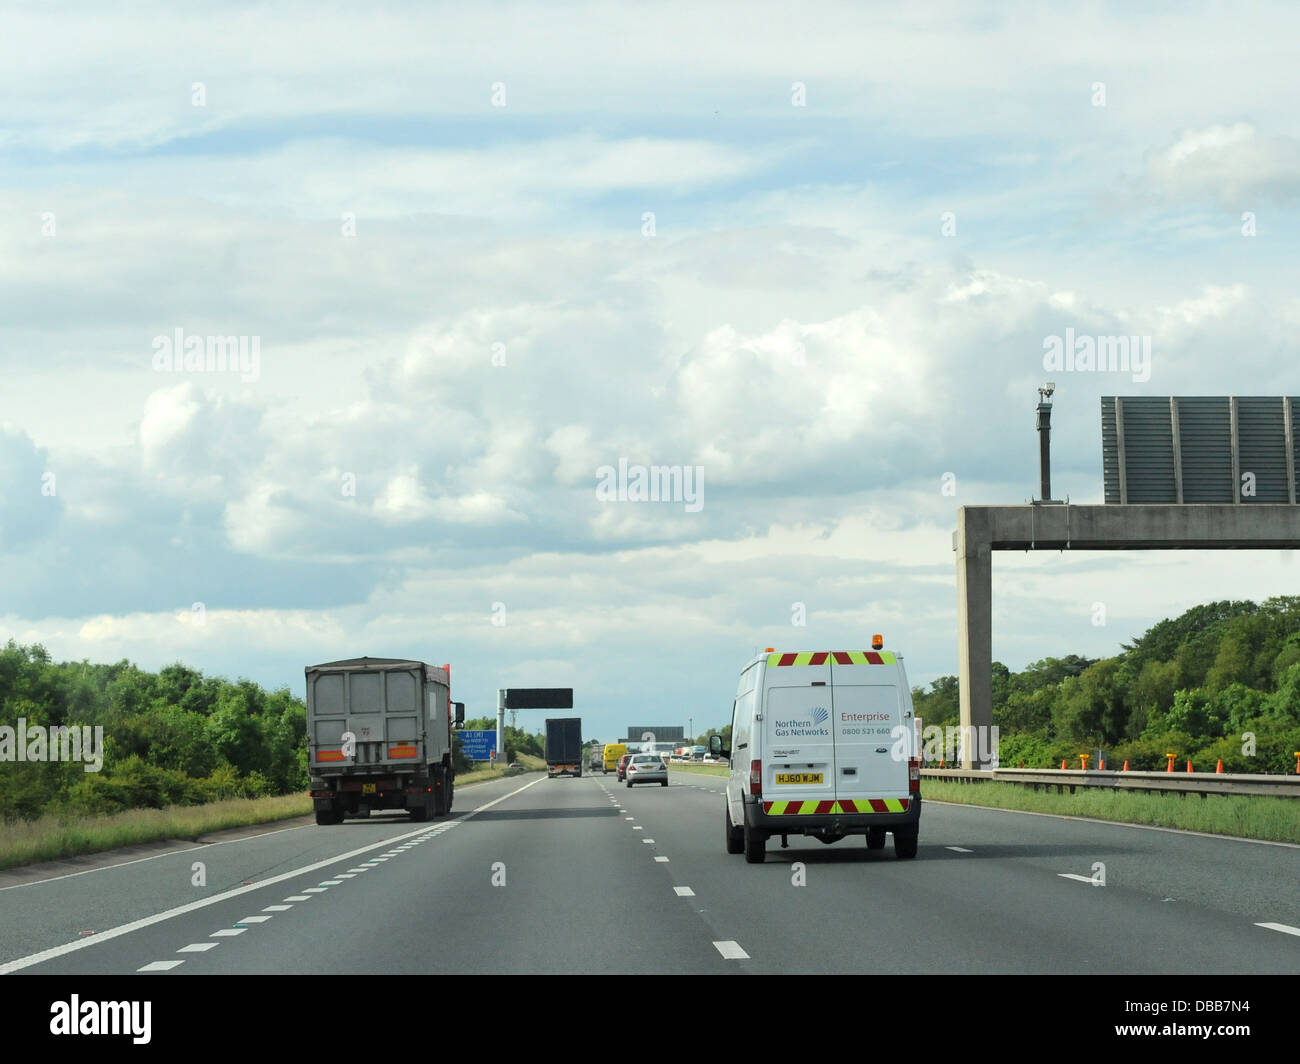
[756, 777]
[914, 776]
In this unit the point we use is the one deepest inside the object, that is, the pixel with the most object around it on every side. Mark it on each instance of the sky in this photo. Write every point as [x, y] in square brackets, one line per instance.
[479, 257]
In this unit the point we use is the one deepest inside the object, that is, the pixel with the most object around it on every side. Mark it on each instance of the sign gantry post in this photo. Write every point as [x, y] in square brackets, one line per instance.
[513, 698]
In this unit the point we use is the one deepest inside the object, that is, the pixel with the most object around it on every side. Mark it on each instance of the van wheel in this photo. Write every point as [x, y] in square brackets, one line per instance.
[629, 785]
[876, 838]
[663, 783]
[905, 842]
[755, 846]
[735, 837]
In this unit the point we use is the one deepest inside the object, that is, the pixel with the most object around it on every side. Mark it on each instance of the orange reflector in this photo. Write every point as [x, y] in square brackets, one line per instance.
[401, 751]
[770, 650]
[329, 755]
[877, 641]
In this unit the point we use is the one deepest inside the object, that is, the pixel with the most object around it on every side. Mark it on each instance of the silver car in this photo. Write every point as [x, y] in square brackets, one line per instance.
[647, 768]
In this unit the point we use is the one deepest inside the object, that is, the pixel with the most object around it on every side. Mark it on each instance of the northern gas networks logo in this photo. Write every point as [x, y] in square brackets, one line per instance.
[808, 729]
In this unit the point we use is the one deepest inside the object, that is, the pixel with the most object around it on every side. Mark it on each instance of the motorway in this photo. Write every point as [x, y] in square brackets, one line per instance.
[531, 875]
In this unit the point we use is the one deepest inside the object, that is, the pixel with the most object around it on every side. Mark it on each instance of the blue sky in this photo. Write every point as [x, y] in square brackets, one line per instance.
[800, 324]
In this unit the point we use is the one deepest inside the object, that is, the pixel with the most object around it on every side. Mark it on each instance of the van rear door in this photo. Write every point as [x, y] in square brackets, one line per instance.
[868, 708]
[798, 752]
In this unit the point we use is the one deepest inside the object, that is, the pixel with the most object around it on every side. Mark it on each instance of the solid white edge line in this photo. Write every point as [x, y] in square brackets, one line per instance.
[149, 921]
[151, 857]
[958, 849]
[1114, 823]
[1075, 875]
[1286, 929]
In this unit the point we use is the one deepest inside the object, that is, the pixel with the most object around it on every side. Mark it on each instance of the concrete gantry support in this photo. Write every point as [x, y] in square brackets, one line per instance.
[974, 620]
[984, 529]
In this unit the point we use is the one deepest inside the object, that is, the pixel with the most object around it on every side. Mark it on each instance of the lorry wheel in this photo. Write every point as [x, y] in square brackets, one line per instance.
[905, 842]
[735, 837]
[451, 792]
[663, 783]
[875, 838]
[420, 814]
[326, 817]
[629, 785]
[755, 846]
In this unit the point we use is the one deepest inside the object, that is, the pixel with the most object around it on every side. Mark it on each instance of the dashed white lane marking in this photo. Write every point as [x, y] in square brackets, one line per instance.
[315, 890]
[647, 840]
[253, 920]
[684, 892]
[731, 951]
[346, 875]
[629, 818]
[277, 908]
[1073, 875]
[958, 849]
[156, 918]
[228, 932]
[298, 897]
[198, 947]
[331, 882]
[1286, 929]
[662, 860]
[637, 827]
[159, 966]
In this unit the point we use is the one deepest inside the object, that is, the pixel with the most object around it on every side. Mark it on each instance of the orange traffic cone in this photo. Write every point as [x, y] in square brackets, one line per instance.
[1102, 767]
[1062, 764]
[1125, 768]
[1219, 766]
[1189, 765]
[1170, 766]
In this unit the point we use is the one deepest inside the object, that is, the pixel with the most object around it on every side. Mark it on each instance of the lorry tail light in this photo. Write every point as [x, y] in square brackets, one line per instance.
[756, 777]
[913, 776]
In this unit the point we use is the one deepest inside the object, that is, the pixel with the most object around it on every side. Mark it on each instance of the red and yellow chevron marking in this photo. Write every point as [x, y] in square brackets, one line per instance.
[402, 751]
[844, 805]
[838, 657]
[329, 755]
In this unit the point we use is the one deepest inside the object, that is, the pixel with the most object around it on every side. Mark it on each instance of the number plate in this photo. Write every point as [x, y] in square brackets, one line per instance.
[368, 788]
[798, 777]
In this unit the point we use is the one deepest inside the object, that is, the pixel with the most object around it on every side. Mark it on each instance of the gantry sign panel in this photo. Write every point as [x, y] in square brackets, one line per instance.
[1199, 449]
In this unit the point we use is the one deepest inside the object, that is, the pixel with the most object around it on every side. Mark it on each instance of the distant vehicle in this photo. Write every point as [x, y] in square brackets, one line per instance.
[622, 765]
[613, 751]
[826, 748]
[356, 710]
[647, 768]
[564, 747]
[698, 752]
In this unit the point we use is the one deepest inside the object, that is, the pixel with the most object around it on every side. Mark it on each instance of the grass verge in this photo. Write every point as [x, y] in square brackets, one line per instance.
[49, 838]
[703, 770]
[1245, 816]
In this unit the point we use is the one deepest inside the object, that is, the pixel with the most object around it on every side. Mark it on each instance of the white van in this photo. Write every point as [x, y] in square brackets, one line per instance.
[823, 744]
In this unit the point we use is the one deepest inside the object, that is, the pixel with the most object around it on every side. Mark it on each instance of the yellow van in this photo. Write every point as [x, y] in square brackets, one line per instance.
[613, 751]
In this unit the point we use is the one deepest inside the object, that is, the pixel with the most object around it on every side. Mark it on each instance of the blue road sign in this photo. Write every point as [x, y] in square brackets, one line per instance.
[478, 745]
